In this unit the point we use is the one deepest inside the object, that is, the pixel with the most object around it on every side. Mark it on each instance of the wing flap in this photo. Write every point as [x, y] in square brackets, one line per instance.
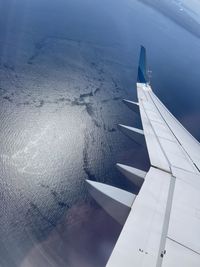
[134, 175]
[115, 201]
[184, 226]
[139, 242]
[136, 134]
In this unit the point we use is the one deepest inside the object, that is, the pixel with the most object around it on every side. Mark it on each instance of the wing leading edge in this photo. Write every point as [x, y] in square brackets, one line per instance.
[162, 227]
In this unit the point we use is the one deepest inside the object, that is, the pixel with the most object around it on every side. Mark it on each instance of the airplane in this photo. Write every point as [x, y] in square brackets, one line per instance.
[161, 224]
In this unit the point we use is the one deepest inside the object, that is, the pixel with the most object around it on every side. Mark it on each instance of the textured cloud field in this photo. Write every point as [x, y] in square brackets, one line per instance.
[65, 66]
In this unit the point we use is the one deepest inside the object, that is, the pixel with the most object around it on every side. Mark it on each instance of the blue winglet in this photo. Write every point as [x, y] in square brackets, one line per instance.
[142, 73]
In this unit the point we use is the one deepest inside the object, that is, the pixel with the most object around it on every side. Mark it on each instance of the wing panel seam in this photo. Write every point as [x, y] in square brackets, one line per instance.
[173, 240]
[166, 220]
[184, 150]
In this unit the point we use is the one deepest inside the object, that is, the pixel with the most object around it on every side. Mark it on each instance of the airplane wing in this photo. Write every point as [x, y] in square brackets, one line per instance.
[161, 223]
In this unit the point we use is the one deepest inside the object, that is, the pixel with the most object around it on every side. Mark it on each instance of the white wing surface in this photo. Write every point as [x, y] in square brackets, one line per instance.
[163, 223]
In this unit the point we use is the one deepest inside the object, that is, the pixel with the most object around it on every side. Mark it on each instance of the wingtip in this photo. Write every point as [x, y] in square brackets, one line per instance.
[142, 72]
